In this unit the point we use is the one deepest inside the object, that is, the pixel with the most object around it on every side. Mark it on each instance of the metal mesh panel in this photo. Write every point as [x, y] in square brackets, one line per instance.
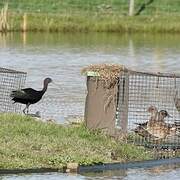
[10, 80]
[137, 92]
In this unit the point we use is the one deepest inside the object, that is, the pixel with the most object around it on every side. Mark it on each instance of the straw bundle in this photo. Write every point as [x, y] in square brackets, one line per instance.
[109, 73]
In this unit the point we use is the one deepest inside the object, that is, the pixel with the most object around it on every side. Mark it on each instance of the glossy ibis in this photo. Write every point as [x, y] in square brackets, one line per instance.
[29, 96]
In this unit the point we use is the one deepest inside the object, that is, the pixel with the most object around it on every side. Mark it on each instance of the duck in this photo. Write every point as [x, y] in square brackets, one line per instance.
[29, 96]
[158, 128]
[161, 130]
[143, 129]
[154, 113]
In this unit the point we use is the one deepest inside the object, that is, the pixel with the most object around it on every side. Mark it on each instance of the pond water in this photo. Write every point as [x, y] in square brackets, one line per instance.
[62, 56]
[157, 173]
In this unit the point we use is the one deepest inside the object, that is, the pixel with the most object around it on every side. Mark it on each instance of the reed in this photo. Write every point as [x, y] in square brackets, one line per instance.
[100, 23]
[162, 16]
[24, 25]
[4, 26]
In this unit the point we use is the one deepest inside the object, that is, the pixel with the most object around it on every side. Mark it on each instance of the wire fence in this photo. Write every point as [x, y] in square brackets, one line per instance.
[140, 108]
[119, 7]
[10, 80]
[149, 109]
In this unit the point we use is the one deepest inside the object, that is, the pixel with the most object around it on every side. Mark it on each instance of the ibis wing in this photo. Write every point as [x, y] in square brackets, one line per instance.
[27, 93]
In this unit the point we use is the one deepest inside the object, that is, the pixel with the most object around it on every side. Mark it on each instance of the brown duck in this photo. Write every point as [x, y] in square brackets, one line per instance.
[149, 129]
[157, 127]
[141, 129]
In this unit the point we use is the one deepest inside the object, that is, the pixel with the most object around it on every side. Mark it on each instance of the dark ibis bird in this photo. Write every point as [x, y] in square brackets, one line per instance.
[29, 96]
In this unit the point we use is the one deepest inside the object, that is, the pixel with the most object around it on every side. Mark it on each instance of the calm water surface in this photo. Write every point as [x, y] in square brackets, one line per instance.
[156, 173]
[61, 57]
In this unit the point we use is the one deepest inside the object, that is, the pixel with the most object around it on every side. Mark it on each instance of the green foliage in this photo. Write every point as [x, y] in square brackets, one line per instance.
[101, 23]
[92, 16]
[90, 6]
[127, 151]
[27, 143]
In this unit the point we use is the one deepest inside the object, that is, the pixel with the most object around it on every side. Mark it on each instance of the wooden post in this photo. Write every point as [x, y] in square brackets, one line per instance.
[131, 7]
[24, 26]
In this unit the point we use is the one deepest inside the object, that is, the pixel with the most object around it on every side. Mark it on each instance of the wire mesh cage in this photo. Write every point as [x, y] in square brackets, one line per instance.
[148, 109]
[138, 107]
[10, 80]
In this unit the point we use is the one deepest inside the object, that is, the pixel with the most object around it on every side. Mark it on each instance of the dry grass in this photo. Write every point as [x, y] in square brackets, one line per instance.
[109, 73]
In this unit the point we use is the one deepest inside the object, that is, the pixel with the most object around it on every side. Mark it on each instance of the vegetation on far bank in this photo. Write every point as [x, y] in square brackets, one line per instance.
[78, 23]
[119, 7]
[27, 143]
[91, 16]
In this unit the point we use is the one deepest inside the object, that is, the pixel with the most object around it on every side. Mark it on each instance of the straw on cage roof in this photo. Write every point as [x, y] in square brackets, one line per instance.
[107, 72]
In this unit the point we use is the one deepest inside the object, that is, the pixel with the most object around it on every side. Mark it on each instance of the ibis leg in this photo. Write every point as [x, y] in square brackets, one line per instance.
[24, 110]
[27, 106]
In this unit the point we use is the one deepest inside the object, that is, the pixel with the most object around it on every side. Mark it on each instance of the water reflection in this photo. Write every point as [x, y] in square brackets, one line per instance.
[61, 56]
[171, 172]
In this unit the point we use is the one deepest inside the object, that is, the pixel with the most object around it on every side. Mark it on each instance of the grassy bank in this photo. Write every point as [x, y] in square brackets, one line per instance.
[162, 7]
[78, 23]
[92, 16]
[26, 143]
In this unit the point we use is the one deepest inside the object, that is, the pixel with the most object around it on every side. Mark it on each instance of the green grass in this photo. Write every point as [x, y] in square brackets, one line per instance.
[72, 23]
[162, 16]
[26, 143]
[90, 6]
